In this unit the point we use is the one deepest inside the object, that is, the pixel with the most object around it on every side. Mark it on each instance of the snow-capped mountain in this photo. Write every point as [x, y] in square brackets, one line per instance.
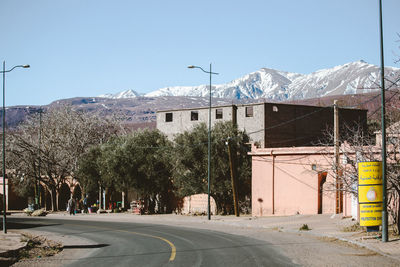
[270, 84]
[123, 94]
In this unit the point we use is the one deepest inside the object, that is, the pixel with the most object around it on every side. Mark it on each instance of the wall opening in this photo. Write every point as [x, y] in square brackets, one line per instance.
[321, 181]
[249, 111]
[194, 116]
[168, 117]
[218, 113]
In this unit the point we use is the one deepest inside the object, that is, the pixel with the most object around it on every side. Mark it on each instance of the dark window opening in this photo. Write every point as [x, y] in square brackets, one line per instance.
[168, 117]
[249, 111]
[218, 114]
[194, 116]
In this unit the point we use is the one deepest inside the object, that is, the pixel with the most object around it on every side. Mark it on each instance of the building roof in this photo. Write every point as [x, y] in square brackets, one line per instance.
[253, 104]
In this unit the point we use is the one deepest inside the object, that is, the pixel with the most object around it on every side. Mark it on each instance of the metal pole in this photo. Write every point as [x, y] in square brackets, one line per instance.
[384, 182]
[40, 160]
[209, 138]
[209, 152]
[4, 151]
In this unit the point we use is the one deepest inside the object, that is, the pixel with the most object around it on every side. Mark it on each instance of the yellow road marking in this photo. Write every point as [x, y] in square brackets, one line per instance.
[173, 248]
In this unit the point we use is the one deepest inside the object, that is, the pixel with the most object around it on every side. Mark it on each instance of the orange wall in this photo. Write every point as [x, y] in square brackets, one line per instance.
[295, 189]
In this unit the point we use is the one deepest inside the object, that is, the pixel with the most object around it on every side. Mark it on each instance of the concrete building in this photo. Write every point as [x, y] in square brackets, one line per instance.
[268, 124]
[172, 122]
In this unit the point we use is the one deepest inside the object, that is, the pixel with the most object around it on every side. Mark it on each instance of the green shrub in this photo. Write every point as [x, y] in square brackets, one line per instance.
[304, 227]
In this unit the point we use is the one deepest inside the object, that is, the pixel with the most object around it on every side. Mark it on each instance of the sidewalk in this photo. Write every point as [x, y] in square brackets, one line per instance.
[323, 225]
[10, 243]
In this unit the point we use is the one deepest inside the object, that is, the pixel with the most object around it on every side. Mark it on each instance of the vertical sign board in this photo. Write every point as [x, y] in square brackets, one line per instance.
[370, 193]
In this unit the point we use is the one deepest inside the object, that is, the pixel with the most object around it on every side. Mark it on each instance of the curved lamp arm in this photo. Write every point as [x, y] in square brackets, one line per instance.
[197, 67]
[18, 66]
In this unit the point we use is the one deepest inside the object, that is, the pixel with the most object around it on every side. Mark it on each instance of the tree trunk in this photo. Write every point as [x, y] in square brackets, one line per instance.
[52, 199]
[57, 199]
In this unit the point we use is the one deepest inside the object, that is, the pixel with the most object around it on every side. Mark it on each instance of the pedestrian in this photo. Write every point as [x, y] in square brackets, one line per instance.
[71, 206]
[85, 204]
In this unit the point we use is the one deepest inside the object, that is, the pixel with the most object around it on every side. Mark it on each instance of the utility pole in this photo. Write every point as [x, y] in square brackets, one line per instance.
[337, 154]
[232, 166]
[37, 184]
[40, 158]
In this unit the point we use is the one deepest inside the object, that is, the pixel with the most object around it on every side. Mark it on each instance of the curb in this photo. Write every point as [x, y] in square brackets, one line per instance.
[356, 243]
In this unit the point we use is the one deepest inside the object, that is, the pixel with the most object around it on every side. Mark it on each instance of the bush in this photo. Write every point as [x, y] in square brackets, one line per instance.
[304, 227]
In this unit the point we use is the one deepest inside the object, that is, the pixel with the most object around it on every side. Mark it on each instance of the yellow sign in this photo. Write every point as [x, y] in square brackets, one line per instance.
[370, 172]
[371, 214]
[370, 193]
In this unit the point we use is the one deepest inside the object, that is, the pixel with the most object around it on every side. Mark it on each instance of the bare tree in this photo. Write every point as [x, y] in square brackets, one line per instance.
[65, 136]
[356, 146]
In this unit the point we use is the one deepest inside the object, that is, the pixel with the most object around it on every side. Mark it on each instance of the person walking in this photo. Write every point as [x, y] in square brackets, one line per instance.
[85, 204]
[71, 206]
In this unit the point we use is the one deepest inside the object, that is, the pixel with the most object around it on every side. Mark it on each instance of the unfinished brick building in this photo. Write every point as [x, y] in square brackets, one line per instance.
[268, 124]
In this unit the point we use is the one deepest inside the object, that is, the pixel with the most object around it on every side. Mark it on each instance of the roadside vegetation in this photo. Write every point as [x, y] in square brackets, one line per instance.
[67, 146]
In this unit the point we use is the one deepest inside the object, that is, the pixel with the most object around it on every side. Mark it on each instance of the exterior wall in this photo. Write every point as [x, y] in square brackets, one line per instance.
[1, 193]
[198, 204]
[254, 126]
[298, 125]
[181, 120]
[284, 182]
[13, 201]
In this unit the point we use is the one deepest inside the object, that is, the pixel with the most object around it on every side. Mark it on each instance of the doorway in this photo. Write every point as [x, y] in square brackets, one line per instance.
[321, 181]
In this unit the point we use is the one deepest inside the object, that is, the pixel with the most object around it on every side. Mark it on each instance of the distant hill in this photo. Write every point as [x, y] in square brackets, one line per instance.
[354, 84]
[134, 112]
[140, 112]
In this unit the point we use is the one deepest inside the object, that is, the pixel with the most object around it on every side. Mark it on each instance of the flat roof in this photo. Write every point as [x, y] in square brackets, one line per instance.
[194, 108]
[254, 104]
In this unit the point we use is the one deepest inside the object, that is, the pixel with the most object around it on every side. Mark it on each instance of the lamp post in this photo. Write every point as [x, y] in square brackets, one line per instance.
[383, 122]
[209, 139]
[4, 140]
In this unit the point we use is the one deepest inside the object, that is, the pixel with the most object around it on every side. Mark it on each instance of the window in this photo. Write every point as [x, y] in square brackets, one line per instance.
[314, 167]
[218, 113]
[194, 116]
[249, 111]
[168, 117]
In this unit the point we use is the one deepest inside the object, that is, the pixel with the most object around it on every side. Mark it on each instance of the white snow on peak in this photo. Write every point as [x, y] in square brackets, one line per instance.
[123, 94]
[270, 84]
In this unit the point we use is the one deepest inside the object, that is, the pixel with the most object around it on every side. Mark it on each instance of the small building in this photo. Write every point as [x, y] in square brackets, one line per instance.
[297, 180]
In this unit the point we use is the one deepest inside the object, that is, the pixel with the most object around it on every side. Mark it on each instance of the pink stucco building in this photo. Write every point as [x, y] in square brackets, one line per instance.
[298, 180]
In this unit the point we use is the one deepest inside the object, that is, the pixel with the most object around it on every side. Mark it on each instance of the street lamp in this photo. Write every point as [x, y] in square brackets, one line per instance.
[384, 163]
[209, 138]
[4, 139]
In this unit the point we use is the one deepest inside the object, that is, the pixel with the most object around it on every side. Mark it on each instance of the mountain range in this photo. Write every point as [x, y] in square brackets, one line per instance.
[358, 79]
[274, 85]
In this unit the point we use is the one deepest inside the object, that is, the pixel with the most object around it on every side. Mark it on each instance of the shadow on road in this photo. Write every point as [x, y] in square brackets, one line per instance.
[18, 224]
[86, 246]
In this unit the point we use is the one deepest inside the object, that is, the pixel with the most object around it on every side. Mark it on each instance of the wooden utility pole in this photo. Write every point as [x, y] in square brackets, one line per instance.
[233, 176]
[339, 204]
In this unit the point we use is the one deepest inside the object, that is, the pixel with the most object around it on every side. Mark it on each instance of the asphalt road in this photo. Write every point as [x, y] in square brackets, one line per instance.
[138, 244]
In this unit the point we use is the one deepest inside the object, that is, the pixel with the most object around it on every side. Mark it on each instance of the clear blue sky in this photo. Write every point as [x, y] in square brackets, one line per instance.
[92, 47]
